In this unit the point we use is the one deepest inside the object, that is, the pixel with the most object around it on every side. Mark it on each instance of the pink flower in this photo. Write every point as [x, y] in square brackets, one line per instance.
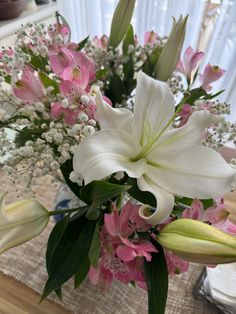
[69, 116]
[29, 88]
[74, 66]
[218, 216]
[211, 74]
[60, 29]
[101, 43]
[150, 38]
[78, 75]
[190, 62]
[129, 250]
[185, 114]
[120, 255]
[195, 211]
[175, 264]
[73, 93]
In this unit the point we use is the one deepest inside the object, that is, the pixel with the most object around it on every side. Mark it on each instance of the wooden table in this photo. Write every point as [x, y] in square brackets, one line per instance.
[17, 298]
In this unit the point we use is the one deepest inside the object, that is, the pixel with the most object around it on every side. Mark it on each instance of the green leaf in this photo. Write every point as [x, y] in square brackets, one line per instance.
[129, 40]
[48, 82]
[54, 240]
[66, 169]
[70, 253]
[156, 275]
[82, 43]
[81, 274]
[101, 73]
[121, 21]
[143, 197]
[211, 96]
[7, 79]
[58, 293]
[94, 251]
[116, 89]
[100, 191]
[151, 61]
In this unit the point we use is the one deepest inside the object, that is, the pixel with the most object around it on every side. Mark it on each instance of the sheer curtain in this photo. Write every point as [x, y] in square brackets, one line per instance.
[222, 51]
[93, 17]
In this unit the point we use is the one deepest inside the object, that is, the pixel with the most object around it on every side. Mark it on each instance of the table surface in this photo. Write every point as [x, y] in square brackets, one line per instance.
[17, 298]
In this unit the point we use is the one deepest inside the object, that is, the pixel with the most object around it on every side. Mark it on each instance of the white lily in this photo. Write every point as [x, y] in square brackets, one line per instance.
[20, 221]
[166, 161]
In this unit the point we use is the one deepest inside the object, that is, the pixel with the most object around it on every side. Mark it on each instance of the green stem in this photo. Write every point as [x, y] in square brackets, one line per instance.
[64, 211]
[119, 201]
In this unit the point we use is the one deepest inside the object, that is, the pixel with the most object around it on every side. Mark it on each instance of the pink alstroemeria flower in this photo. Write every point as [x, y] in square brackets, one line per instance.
[195, 211]
[185, 114]
[29, 88]
[73, 93]
[190, 62]
[73, 65]
[101, 43]
[69, 116]
[119, 255]
[211, 74]
[175, 264]
[118, 226]
[150, 38]
[216, 215]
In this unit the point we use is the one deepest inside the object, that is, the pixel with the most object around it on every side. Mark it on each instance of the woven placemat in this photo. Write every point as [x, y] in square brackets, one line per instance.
[26, 264]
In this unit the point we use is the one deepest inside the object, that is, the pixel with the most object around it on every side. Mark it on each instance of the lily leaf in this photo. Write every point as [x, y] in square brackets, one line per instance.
[94, 251]
[82, 43]
[157, 281]
[82, 273]
[129, 40]
[143, 197]
[100, 192]
[47, 82]
[66, 169]
[70, 253]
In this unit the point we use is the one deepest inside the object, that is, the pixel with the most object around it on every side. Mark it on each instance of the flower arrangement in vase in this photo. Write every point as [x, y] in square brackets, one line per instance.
[102, 116]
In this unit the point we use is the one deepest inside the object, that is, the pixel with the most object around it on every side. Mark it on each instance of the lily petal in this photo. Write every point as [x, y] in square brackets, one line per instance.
[112, 118]
[181, 139]
[197, 172]
[106, 152]
[164, 199]
[154, 104]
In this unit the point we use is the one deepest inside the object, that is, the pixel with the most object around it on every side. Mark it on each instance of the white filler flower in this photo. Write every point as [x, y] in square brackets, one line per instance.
[165, 160]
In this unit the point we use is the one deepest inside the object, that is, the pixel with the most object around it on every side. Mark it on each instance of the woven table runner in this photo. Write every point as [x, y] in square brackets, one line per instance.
[26, 264]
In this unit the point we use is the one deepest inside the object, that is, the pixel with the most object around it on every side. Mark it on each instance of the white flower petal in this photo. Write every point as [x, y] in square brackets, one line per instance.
[180, 139]
[154, 104]
[197, 172]
[106, 152]
[112, 118]
[164, 199]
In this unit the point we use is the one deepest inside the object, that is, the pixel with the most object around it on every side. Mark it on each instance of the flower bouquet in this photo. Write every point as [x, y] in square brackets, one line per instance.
[134, 132]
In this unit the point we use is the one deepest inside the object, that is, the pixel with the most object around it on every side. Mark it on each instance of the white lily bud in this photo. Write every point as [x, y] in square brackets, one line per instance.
[120, 21]
[198, 242]
[20, 221]
[170, 54]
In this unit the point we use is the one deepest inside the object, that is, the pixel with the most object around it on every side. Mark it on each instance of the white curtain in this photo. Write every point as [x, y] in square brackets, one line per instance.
[222, 52]
[93, 17]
